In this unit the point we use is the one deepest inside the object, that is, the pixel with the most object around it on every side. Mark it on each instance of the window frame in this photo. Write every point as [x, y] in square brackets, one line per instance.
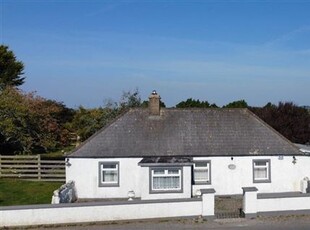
[268, 167]
[100, 174]
[166, 168]
[209, 172]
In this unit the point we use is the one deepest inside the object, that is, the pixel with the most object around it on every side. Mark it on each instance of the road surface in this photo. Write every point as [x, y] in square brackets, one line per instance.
[261, 223]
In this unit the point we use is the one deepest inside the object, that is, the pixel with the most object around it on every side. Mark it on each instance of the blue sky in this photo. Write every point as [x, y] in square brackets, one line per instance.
[85, 52]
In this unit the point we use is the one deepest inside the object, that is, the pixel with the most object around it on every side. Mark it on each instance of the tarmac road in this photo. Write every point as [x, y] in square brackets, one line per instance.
[261, 223]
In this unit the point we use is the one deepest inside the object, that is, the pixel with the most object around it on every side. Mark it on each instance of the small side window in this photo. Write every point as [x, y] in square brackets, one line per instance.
[202, 172]
[108, 174]
[261, 171]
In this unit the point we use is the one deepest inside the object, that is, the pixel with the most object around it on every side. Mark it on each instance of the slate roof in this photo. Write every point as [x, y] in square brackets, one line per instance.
[166, 160]
[304, 148]
[186, 132]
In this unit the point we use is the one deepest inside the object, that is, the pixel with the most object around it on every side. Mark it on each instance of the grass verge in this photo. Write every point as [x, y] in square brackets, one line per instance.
[21, 192]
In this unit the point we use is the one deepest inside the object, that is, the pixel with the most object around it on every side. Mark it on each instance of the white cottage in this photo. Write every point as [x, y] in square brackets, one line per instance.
[160, 153]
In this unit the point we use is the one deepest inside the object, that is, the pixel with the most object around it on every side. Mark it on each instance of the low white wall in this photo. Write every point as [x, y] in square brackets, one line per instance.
[85, 212]
[283, 204]
[208, 202]
[265, 203]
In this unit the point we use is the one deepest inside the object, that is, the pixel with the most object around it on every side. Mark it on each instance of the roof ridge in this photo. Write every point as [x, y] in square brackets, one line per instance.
[188, 108]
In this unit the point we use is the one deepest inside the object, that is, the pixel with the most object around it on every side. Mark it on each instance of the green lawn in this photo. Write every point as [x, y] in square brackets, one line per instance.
[21, 192]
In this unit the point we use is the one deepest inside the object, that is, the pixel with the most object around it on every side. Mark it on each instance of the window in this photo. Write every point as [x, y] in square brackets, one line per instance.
[202, 172]
[261, 171]
[166, 179]
[108, 174]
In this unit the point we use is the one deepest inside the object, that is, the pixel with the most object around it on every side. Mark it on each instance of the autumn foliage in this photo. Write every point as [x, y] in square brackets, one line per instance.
[30, 123]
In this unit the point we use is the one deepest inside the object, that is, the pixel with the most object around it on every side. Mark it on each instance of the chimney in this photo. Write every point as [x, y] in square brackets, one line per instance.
[154, 103]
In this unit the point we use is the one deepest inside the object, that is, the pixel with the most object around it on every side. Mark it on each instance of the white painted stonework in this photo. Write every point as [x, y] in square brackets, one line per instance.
[225, 179]
[283, 204]
[79, 213]
[285, 176]
[274, 203]
[85, 173]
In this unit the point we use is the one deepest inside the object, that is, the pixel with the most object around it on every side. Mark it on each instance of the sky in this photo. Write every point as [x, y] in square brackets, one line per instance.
[87, 52]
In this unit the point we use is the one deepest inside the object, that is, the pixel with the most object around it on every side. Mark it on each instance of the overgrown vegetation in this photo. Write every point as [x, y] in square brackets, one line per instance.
[30, 124]
[290, 120]
[21, 192]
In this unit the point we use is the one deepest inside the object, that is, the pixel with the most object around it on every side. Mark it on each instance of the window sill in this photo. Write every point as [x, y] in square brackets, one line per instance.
[202, 183]
[165, 191]
[109, 185]
[261, 181]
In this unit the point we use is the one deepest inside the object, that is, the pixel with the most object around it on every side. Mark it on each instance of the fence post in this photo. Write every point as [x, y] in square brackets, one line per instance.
[249, 205]
[208, 203]
[39, 166]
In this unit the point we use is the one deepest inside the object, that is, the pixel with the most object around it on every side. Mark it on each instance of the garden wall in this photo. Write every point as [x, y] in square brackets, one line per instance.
[107, 211]
[255, 203]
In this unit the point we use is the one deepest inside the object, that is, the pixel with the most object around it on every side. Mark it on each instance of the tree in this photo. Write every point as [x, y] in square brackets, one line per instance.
[192, 103]
[130, 99]
[29, 123]
[88, 121]
[237, 104]
[290, 120]
[11, 70]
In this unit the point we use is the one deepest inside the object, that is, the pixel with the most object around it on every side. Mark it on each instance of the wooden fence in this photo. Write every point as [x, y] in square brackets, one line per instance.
[32, 168]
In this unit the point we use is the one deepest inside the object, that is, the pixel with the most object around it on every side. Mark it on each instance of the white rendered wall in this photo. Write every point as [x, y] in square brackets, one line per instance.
[187, 184]
[249, 204]
[208, 204]
[285, 176]
[57, 214]
[283, 204]
[85, 173]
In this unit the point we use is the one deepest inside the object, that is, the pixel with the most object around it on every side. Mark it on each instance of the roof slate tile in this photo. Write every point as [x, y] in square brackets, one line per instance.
[186, 132]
